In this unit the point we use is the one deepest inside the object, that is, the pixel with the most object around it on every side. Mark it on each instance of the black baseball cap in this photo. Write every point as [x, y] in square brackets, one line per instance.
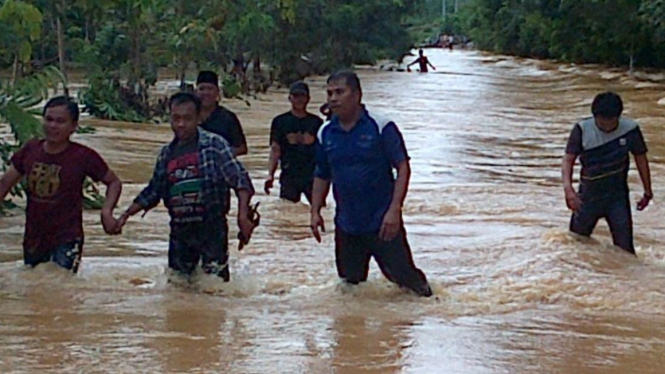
[299, 88]
[208, 76]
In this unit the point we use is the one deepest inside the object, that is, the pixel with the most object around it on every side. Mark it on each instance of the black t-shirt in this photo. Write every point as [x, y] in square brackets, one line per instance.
[297, 141]
[225, 123]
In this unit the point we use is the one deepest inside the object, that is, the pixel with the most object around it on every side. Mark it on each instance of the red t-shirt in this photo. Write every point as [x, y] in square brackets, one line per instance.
[54, 214]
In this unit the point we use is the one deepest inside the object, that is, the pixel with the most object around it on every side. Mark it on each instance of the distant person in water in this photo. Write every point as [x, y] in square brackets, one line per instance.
[293, 147]
[603, 143]
[358, 153]
[423, 61]
[55, 169]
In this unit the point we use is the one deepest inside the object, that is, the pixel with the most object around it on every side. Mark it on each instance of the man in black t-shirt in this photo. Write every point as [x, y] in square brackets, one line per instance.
[604, 144]
[215, 118]
[293, 145]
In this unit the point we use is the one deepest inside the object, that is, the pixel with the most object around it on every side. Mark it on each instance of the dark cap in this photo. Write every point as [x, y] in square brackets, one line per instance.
[208, 76]
[299, 87]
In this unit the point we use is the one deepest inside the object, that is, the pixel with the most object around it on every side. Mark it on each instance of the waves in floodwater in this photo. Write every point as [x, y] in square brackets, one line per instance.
[486, 220]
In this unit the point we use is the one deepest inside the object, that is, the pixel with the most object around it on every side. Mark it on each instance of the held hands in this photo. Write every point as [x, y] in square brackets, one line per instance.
[111, 225]
[392, 222]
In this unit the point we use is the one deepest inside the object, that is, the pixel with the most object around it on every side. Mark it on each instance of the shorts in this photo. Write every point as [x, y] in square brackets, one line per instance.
[203, 243]
[292, 188]
[67, 255]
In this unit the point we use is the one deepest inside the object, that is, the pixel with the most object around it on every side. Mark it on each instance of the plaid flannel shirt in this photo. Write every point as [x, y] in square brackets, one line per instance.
[221, 171]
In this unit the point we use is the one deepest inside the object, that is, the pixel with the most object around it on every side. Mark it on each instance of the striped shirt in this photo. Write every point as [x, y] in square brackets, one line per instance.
[219, 166]
[605, 156]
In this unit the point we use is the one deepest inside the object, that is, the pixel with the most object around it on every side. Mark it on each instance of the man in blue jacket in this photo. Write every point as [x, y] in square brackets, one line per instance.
[356, 153]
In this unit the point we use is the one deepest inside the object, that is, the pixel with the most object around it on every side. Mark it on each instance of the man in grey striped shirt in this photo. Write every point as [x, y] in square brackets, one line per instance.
[603, 143]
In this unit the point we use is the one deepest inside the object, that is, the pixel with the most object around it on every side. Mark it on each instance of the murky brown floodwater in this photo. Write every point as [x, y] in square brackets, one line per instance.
[487, 222]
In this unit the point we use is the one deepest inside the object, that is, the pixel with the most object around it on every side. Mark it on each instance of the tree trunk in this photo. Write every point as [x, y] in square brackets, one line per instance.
[257, 63]
[61, 45]
[15, 70]
[87, 28]
[183, 73]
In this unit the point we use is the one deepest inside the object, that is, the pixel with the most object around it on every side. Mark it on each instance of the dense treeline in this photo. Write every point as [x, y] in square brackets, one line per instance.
[133, 37]
[615, 32]
[121, 44]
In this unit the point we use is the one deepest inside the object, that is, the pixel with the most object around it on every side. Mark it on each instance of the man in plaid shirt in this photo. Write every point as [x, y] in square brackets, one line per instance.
[192, 176]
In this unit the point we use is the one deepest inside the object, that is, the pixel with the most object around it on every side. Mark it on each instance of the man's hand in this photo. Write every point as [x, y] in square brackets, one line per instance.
[392, 222]
[246, 228]
[122, 220]
[110, 224]
[573, 200]
[644, 202]
[268, 185]
[316, 222]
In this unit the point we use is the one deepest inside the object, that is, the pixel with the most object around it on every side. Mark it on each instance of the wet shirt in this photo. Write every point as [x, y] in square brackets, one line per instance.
[423, 61]
[297, 141]
[219, 170]
[225, 123]
[55, 192]
[605, 156]
[185, 196]
[360, 165]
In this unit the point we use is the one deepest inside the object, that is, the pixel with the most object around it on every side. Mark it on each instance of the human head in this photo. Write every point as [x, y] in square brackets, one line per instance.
[207, 89]
[344, 93]
[61, 116]
[606, 109]
[185, 108]
[420, 52]
[299, 96]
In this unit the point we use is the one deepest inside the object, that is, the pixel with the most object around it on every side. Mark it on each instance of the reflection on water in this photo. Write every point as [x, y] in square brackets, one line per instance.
[487, 223]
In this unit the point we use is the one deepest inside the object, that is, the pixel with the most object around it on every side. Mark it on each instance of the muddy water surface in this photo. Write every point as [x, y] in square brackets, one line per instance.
[486, 219]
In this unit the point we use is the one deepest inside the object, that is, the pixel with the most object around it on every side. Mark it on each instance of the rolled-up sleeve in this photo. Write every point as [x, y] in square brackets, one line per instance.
[232, 171]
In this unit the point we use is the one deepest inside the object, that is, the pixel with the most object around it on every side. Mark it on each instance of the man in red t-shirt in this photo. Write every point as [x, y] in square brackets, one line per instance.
[55, 169]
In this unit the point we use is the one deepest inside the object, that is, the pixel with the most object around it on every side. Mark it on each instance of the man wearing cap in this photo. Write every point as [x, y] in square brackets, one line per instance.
[293, 146]
[215, 118]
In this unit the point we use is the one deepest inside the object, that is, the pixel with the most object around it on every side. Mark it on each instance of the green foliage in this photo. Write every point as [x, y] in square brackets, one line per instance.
[22, 25]
[616, 32]
[106, 98]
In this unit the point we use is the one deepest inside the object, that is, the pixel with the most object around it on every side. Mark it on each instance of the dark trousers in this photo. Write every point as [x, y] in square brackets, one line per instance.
[292, 189]
[353, 253]
[67, 255]
[616, 210]
[207, 243]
